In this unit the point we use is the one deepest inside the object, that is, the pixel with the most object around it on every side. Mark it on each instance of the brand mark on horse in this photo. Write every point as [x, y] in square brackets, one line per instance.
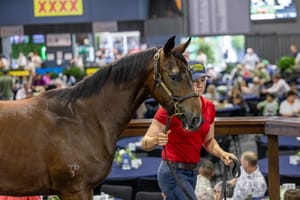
[73, 168]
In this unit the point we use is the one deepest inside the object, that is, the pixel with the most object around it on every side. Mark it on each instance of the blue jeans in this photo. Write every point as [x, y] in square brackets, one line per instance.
[171, 188]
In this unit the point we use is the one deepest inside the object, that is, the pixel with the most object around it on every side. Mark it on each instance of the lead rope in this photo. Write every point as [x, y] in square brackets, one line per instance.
[183, 188]
[236, 172]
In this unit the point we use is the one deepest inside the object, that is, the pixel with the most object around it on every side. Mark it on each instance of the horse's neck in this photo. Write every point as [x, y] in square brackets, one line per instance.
[115, 105]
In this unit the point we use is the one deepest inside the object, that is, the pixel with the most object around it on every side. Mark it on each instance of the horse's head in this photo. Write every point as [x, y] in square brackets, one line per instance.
[173, 87]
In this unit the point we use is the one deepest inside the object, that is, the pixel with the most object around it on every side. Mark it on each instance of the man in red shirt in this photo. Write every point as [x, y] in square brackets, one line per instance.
[183, 147]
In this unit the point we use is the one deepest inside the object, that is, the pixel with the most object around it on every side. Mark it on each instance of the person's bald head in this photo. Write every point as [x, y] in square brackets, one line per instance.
[250, 157]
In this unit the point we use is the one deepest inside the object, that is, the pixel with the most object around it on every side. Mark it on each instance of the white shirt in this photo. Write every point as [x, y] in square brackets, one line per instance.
[250, 61]
[22, 61]
[254, 184]
[288, 109]
[279, 88]
[203, 189]
[21, 94]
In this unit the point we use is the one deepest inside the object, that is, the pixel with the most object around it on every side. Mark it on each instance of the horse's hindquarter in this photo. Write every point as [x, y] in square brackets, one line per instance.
[22, 141]
[47, 150]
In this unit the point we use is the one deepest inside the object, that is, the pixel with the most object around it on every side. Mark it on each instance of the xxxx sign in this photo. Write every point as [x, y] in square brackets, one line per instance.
[52, 8]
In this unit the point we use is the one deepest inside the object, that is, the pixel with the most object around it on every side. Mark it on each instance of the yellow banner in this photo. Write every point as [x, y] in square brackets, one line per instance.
[18, 73]
[54, 8]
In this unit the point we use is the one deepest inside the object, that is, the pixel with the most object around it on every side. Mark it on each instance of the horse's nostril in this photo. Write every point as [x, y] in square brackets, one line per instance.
[196, 122]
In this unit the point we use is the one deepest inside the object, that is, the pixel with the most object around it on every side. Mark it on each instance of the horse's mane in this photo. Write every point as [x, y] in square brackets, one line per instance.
[120, 71]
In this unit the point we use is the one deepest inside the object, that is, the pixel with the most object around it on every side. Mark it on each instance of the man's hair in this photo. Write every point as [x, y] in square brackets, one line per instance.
[250, 157]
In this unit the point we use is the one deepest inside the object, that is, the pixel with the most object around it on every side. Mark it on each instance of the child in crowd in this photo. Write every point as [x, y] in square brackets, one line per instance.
[218, 190]
[269, 106]
[203, 187]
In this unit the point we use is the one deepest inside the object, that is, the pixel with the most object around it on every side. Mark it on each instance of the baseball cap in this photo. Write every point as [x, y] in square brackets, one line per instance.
[197, 70]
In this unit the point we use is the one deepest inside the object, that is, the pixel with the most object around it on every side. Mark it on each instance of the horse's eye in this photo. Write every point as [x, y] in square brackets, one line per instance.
[175, 77]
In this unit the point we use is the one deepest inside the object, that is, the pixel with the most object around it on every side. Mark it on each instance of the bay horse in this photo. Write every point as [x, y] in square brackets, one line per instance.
[63, 140]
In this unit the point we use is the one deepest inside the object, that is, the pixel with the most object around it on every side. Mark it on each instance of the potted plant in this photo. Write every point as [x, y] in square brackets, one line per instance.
[74, 71]
[286, 65]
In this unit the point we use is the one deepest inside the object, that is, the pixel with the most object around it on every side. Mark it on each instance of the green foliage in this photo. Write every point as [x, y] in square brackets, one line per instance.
[26, 48]
[238, 42]
[74, 71]
[54, 75]
[286, 65]
[229, 67]
[208, 51]
[118, 155]
[199, 43]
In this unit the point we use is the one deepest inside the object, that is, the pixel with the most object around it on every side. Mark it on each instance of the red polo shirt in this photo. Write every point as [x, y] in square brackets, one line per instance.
[183, 145]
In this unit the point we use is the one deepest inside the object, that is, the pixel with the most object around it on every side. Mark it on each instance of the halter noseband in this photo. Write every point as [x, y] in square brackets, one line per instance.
[159, 83]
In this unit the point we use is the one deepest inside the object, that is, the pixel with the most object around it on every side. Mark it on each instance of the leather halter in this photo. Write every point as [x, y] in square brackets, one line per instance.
[160, 84]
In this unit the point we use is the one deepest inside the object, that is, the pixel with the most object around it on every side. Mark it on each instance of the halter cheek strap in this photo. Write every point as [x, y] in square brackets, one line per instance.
[175, 100]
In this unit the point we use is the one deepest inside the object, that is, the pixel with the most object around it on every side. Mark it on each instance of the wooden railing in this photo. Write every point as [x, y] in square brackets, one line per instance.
[271, 126]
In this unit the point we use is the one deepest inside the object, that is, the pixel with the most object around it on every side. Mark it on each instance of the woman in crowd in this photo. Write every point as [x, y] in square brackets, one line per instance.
[290, 107]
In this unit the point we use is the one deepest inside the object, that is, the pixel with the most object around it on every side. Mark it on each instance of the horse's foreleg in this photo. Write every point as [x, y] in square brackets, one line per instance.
[82, 195]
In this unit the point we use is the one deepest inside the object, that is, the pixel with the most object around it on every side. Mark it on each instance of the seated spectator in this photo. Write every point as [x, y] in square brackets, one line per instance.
[235, 97]
[255, 86]
[24, 92]
[46, 78]
[235, 90]
[251, 182]
[279, 86]
[237, 73]
[212, 94]
[203, 187]
[269, 106]
[294, 88]
[218, 190]
[240, 101]
[212, 73]
[290, 107]
[262, 73]
[251, 88]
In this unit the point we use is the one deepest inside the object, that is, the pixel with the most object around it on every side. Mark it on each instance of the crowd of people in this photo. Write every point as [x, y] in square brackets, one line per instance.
[252, 76]
[274, 95]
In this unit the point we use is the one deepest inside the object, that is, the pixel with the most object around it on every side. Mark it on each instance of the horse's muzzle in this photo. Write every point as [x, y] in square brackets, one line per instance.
[191, 124]
[196, 123]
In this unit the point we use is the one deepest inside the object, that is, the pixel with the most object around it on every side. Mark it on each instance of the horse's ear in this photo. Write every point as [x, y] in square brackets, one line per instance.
[169, 45]
[182, 47]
